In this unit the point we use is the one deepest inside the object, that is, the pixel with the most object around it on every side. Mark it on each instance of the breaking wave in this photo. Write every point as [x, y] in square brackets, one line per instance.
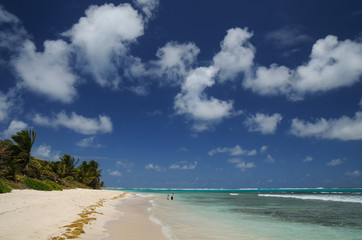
[329, 197]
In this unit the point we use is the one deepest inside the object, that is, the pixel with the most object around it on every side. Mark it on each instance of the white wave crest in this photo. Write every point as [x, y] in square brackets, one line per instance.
[165, 229]
[334, 198]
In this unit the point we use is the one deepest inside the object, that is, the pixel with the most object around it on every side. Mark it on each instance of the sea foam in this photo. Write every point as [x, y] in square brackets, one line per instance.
[334, 198]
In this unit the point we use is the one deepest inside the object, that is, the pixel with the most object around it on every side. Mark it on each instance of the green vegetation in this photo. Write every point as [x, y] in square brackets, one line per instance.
[19, 169]
[36, 184]
[53, 185]
[4, 188]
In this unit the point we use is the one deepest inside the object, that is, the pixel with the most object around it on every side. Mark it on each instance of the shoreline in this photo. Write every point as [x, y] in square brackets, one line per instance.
[134, 221]
[31, 214]
[77, 213]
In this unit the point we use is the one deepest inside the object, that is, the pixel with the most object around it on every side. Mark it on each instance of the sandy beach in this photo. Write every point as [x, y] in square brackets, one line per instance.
[134, 223]
[30, 214]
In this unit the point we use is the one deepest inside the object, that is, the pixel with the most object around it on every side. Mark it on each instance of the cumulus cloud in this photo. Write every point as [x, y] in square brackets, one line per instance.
[14, 127]
[263, 123]
[241, 164]
[275, 80]
[193, 102]
[154, 167]
[343, 128]
[235, 151]
[47, 72]
[236, 54]
[335, 162]
[43, 151]
[102, 40]
[77, 123]
[184, 166]
[332, 64]
[147, 6]
[174, 62]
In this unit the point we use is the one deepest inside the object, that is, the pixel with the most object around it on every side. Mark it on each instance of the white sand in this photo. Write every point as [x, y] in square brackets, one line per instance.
[30, 214]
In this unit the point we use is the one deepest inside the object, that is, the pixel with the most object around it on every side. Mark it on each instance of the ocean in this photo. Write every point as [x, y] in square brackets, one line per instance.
[262, 214]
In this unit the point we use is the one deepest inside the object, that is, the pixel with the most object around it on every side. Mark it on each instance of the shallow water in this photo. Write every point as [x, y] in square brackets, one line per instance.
[279, 216]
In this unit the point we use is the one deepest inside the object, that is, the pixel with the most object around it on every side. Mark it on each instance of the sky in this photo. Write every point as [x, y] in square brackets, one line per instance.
[189, 94]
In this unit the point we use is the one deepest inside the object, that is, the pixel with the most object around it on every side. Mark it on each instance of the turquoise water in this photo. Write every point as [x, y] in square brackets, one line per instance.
[259, 213]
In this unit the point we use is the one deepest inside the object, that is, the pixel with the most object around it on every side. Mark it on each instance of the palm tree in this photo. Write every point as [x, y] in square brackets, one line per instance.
[89, 174]
[24, 142]
[8, 164]
[69, 164]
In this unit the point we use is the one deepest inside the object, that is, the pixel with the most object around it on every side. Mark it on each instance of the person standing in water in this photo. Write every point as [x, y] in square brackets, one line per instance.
[168, 197]
[172, 196]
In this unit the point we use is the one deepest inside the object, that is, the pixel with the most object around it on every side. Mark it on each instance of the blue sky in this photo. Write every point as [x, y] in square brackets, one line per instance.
[189, 94]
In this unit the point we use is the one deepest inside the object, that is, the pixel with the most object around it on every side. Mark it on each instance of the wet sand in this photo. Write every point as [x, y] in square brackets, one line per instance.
[134, 222]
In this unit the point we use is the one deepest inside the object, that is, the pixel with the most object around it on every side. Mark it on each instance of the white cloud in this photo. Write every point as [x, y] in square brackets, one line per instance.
[14, 127]
[271, 81]
[12, 32]
[43, 151]
[344, 128]
[270, 159]
[6, 17]
[102, 40]
[241, 164]
[355, 173]
[332, 64]
[263, 123]
[154, 167]
[5, 105]
[264, 148]
[115, 173]
[184, 166]
[235, 151]
[236, 54]
[308, 159]
[87, 142]
[288, 36]
[125, 164]
[147, 6]
[47, 72]
[183, 149]
[77, 123]
[335, 162]
[174, 62]
[193, 102]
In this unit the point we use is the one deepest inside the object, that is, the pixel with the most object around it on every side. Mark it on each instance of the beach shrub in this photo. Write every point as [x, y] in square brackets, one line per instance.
[53, 185]
[4, 188]
[37, 185]
[69, 178]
